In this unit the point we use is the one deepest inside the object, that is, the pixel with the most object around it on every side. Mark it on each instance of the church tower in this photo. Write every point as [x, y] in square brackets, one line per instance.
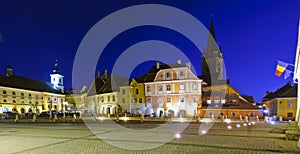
[57, 78]
[212, 61]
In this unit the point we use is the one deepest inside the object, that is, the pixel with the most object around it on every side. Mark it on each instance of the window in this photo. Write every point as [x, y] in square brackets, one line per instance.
[29, 95]
[194, 86]
[148, 89]
[123, 91]
[113, 98]
[195, 99]
[181, 74]
[4, 91]
[108, 98]
[22, 94]
[232, 114]
[55, 100]
[136, 91]
[169, 102]
[208, 101]
[290, 103]
[181, 99]
[4, 100]
[290, 114]
[168, 76]
[123, 100]
[14, 101]
[181, 87]
[168, 87]
[13, 93]
[140, 100]
[159, 88]
[102, 99]
[251, 114]
[148, 100]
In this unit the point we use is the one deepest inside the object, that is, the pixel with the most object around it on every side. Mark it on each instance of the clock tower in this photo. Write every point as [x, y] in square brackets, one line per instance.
[57, 78]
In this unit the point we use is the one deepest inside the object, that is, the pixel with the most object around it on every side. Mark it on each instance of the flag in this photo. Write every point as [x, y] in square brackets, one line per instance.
[287, 74]
[280, 68]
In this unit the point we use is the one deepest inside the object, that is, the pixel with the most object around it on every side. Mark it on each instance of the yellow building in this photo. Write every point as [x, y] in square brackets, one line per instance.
[132, 98]
[25, 95]
[282, 102]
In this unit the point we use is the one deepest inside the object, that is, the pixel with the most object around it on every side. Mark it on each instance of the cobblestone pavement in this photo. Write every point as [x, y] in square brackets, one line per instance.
[77, 138]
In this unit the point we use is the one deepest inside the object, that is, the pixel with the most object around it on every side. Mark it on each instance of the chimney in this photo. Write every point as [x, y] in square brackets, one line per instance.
[157, 65]
[178, 61]
[98, 74]
[188, 65]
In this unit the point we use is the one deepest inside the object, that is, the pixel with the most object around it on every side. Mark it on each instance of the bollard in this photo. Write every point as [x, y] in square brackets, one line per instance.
[17, 118]
[257, 118]
[117, 119]
[74, 117]
[222, 119]
[142, 118]
[246, 119]
[55, 117]
[34, 118]
[241, 117]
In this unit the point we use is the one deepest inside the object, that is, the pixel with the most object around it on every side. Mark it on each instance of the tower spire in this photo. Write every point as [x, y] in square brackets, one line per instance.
[56, 68]
[211, 44]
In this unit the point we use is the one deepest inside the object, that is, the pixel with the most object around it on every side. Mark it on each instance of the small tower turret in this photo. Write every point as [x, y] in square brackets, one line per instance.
[9, 70]
[57, 78]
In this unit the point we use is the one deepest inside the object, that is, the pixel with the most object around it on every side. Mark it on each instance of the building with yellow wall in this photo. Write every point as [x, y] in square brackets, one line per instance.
[282, 102]
[25, 95]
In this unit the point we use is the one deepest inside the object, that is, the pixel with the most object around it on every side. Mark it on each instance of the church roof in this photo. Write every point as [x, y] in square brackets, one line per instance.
[26, 84]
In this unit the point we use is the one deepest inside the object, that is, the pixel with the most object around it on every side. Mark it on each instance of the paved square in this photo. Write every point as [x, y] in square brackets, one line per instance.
[77, 138]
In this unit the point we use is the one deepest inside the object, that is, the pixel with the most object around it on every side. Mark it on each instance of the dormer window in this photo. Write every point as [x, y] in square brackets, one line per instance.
[168, 76]
[181, 74]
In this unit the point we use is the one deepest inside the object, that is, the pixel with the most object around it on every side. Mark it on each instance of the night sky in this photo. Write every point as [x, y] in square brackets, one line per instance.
[252, 35]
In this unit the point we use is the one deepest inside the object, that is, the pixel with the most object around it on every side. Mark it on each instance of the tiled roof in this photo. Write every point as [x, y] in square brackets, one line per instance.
[27, 84]
[285, 91]
[113, 83]
[150, 75]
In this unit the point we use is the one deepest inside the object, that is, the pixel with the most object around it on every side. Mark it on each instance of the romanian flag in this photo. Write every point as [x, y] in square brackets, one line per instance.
[280, 68]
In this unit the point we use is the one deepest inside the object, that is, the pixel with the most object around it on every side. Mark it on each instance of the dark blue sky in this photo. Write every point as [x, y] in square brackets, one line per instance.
[252, 34]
